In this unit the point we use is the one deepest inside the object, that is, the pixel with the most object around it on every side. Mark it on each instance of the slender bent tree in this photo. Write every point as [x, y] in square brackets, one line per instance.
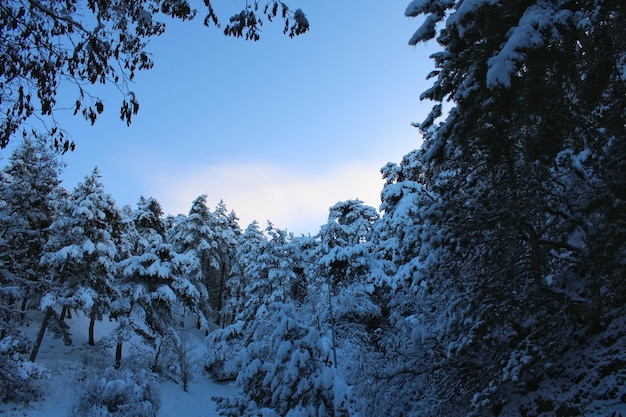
[48, 44]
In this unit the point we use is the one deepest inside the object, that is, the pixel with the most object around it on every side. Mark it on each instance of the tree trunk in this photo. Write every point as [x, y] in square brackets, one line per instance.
[92, 322]
[118, 355]
[66, 312]
[221, 293]
[23, 306]
[155, 364]
[42, 330]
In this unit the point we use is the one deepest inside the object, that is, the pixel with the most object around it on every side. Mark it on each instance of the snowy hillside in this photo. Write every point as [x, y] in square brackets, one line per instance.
[67, 367]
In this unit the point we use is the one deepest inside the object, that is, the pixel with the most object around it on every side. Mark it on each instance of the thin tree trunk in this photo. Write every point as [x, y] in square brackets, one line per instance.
[155, 364]
[221, 293]
[42, 331]
[118, 355]
[23, 306]
[92, 322]
[66, 312]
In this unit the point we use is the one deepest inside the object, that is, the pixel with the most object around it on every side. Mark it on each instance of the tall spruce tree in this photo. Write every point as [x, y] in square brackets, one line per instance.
[346, 253]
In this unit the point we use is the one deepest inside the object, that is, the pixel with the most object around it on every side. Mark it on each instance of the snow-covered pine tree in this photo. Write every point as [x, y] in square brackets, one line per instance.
[344, 296]
[193, 236]
[249, 248]
[81, 253]
[409, 247]
[287, 370]
[266, 270]
[155, 282]
[492, 227]
[536, 130]
[226, 231]
[30, 184]
[271, 274]
[27, 183]
[345, 245]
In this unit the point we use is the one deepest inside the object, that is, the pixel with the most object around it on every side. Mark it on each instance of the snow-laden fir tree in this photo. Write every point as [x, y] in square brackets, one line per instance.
[270, 273]
[263, 273]
[268, 268]
[343, 296]
[346, 257]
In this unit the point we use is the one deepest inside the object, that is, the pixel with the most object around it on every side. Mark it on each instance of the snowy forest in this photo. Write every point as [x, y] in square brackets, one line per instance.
[489, 282]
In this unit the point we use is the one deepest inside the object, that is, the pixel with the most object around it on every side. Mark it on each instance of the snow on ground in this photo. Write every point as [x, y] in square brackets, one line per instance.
[195, 403]
[67, 366]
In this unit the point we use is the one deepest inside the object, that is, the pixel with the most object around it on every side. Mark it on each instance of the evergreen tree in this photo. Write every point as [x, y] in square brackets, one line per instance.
[345, 297]
[226, 231]
[155, 282]
[346, 249]
[287, 370]
[245, 268]
[81, 253]
[270, 274]
[193, 236]
[491, 228]
[30, 183]
[268, 269]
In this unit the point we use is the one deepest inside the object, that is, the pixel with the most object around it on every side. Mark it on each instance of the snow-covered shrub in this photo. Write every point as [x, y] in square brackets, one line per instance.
[178, 357]
[119, 393]
[287, 370]
[223, 347]
[16, 373]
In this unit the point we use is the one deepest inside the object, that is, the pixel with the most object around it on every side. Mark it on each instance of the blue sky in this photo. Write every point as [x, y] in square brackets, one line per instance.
[280, 129]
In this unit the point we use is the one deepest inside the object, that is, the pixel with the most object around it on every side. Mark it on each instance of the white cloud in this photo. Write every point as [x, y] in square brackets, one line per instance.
[288, 198]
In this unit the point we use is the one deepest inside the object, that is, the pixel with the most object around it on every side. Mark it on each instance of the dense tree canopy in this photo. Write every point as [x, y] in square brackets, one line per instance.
[506, 223]
[82, 43]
